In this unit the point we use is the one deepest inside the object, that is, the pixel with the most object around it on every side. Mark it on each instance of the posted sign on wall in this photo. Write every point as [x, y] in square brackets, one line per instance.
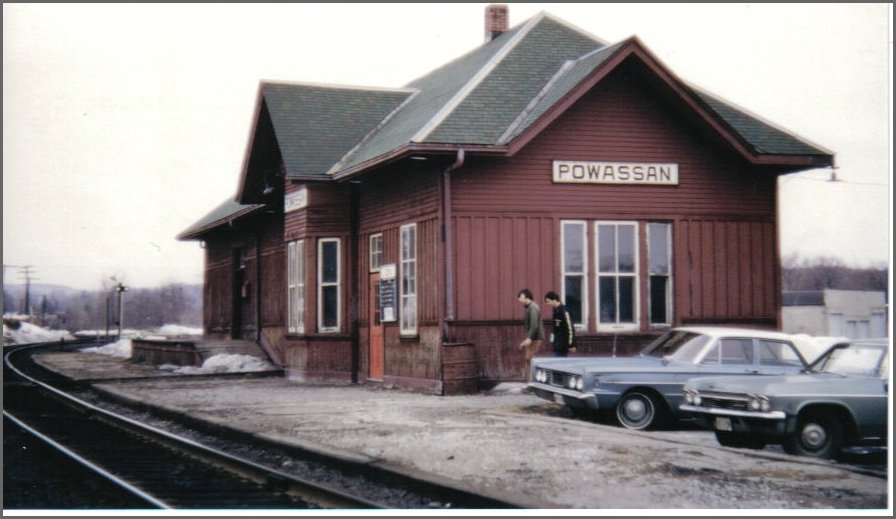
[295, 200]
[387, 293]
[582, 172]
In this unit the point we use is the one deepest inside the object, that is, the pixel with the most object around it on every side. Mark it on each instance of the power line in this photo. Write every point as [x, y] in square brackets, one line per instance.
[838, 181]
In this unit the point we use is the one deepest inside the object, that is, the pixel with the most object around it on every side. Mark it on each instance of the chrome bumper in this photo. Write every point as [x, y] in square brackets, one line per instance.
[771, 415]
[564, 396]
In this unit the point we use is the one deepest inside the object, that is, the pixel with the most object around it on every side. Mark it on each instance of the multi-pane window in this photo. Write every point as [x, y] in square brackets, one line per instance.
[575, 267]
[408, 276]
[376, 252]
[618, 280]
[659, 255]
[328, 285]
[617, 275]
[295, 273]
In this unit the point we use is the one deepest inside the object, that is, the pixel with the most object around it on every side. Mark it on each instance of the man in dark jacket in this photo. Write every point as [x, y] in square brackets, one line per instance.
[563, 336]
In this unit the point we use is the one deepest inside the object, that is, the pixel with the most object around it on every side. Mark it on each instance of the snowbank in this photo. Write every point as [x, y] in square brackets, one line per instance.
[223, 363]
[120, 348]
[178, 330]
[16, 331]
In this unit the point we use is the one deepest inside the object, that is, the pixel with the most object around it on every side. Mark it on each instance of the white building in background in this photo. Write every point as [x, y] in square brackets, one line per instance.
[855, 314]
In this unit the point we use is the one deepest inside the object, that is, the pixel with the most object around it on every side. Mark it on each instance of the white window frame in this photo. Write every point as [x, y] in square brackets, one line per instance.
[584, 274]
[408, 291]
[375, 252]
[321, 285]
[669, 277]
[635, 275]
[295, 292]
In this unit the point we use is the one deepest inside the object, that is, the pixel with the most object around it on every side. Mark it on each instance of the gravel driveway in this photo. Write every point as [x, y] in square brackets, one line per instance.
[515, 446]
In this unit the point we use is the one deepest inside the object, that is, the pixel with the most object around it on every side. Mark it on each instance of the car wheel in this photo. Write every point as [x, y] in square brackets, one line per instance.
[638, 410]
[739, 440]
[817, 435]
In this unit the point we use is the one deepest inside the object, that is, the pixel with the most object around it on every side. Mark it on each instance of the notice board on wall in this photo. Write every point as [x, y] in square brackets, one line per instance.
[387, 293]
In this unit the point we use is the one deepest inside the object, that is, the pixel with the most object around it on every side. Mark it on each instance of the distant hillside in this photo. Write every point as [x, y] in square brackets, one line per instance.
[39, 289]
[62, 307]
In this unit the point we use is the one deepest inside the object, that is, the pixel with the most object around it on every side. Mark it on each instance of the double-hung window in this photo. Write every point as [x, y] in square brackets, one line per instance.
[574, 248]
[328, 285]
[376, 252]
[617, 276]
[295, 273]
[659, 256]
[408, 277]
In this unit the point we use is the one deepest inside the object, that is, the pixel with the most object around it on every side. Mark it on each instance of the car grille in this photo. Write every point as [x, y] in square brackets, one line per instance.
[738, 403]
[558, 378]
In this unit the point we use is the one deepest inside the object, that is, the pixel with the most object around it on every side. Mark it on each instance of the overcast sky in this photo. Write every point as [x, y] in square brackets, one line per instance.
[123, 124]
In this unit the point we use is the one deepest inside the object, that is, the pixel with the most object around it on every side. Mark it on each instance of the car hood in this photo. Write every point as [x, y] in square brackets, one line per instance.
[608, 364]
[804, 383]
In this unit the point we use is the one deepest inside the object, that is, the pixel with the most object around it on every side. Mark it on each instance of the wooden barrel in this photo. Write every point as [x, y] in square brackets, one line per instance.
[460, 370]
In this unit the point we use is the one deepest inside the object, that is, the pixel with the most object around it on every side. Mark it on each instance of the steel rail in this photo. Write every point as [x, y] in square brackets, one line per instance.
[321, 494]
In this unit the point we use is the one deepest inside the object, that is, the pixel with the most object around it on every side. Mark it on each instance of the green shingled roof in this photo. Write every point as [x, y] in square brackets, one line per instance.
[316, 126]
[765, 138]
[484, 115]
[485, 98]
[228, 211]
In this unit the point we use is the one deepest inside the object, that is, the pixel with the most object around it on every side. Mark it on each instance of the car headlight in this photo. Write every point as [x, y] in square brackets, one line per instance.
[571, 382]
[688, 396]
[759, 403]
[540, 375]
[580, 383]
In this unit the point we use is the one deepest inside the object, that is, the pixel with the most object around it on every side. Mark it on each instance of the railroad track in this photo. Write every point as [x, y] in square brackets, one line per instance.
[158, 468]
[170, 461]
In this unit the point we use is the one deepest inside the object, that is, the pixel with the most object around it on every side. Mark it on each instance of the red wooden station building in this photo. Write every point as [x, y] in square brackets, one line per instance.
[381, 235]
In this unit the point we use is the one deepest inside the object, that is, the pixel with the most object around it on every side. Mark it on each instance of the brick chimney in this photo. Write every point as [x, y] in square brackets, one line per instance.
[495, 20]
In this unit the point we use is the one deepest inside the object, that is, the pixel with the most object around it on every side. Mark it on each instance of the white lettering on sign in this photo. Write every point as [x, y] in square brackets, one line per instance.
[295, 200]
[581, 172]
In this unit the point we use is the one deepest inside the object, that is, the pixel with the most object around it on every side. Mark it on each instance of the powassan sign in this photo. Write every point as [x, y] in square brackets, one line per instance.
[579, 172]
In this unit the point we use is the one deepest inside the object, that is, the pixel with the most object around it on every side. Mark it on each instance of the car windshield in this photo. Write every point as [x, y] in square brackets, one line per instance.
[677, 345]
[853, 359]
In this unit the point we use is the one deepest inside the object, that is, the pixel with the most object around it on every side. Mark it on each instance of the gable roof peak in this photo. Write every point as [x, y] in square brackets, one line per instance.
[483, 72]
[569, 25]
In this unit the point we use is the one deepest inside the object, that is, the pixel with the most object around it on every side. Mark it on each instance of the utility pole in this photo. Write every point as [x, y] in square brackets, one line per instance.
[120, 288]
[26, 272]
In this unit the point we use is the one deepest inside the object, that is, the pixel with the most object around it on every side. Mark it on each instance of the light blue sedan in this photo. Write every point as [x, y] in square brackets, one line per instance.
[646, 390]
[840, 400]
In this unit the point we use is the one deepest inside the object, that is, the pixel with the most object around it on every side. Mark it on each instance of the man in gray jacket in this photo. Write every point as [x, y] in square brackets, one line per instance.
[534, 331]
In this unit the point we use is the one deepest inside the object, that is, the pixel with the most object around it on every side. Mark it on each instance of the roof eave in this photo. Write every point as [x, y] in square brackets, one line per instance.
[196, 234]
[414, 149]
[247, 153]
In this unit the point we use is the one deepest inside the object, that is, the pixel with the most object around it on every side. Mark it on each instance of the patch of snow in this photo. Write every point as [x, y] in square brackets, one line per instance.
[177, 329]
[222, 363]
[17, 331]
[507, 388]
[120, 348]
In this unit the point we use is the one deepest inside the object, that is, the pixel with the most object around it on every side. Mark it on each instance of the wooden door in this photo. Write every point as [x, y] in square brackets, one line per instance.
[376, 346]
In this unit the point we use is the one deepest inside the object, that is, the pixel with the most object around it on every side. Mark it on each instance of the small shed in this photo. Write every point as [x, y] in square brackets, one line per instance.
[855, 314]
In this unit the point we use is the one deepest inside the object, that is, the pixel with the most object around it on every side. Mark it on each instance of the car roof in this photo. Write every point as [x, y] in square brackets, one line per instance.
[866, 342]
[721, 331]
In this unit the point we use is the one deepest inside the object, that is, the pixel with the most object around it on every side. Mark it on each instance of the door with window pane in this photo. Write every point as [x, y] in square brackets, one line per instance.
[617, 275]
